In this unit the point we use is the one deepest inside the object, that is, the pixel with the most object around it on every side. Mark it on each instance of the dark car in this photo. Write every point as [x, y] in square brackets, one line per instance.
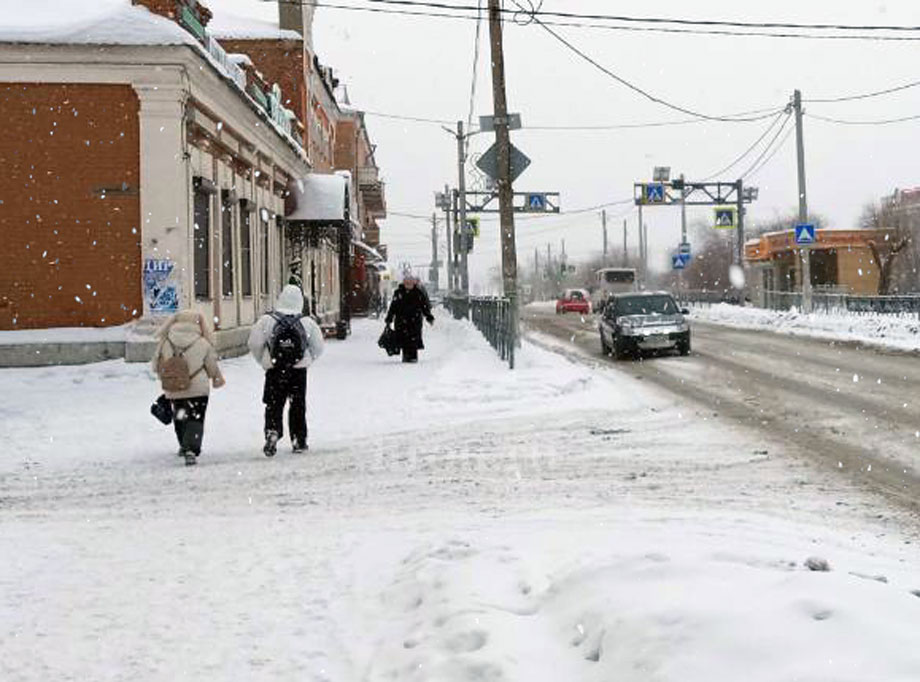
[635, 322]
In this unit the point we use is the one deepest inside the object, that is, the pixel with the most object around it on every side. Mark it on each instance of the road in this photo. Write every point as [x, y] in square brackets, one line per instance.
[843, 406]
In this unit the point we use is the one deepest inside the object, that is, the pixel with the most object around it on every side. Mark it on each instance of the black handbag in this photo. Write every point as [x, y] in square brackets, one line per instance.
[162, 410]
[389, 341]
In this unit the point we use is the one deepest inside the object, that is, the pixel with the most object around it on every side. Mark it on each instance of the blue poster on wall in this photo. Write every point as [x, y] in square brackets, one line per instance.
[161, 287]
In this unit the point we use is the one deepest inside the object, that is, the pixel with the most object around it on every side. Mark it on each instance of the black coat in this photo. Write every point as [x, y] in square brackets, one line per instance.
[408, 309]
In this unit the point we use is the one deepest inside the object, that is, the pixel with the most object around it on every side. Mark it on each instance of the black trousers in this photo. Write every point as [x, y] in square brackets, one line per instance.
[188, 420]
[282, 385]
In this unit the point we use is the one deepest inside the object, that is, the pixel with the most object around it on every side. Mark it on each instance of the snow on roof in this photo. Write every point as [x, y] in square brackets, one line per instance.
[371, 251]
[239, 59]
[247, 19]
[320, 197]
[102, 22]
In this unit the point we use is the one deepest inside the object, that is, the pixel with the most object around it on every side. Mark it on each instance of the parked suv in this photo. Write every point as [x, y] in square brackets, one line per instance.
[635, 322]
[574, 301]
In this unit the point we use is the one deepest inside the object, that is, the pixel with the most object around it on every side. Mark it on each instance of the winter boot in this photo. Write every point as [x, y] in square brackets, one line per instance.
[271, 443]
[300, 446]
[190, 458]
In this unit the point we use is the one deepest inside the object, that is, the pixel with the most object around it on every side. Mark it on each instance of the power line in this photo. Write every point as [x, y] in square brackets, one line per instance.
[614, 27]
[746, 151]
[637, 89]
[865, 95]
[876, 122]
[476, 44]
[538, 12]
[767, 160]
[767, 149]
[413, 119]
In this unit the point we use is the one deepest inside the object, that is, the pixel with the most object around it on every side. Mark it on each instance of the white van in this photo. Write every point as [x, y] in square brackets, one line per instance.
[609, 281]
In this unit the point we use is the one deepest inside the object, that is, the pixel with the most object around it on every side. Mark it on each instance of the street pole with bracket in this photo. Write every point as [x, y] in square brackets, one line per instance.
[505, 191]
[805, 252]
[462, 227]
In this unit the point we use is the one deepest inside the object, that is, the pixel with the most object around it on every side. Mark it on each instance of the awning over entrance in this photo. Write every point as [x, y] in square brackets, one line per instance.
[320, 198]
[371, 252]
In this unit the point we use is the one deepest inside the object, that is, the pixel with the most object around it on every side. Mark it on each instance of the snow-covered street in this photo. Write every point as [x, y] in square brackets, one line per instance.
[452, 521]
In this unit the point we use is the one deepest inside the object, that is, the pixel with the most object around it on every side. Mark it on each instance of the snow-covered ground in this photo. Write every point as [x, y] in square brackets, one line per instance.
[452, 521]
[900, 332]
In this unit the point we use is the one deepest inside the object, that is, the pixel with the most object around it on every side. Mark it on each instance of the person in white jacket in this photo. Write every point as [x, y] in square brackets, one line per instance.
[285, 343]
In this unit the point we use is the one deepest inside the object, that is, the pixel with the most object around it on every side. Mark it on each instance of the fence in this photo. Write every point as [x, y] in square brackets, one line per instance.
[821, 301]
[493, 316]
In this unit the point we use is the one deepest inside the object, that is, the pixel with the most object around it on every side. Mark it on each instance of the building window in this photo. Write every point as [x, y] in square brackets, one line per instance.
[226, 236]
[202, 243]
[246, 247]
[266, 253]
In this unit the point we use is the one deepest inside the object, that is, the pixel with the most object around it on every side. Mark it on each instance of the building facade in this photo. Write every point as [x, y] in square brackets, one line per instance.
[141, 178]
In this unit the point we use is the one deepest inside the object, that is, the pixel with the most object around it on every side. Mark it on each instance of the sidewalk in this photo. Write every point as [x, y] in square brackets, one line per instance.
[453, 520]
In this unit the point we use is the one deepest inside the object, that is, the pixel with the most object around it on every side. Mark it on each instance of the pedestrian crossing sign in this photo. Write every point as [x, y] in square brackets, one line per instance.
[472, 225]
[654, 193]
[726, 218]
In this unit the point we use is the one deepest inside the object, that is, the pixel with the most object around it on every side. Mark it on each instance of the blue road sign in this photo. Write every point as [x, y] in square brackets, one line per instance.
[805, 233]
[679, 261]
[536, 202]
[683, 248]
[654, 193]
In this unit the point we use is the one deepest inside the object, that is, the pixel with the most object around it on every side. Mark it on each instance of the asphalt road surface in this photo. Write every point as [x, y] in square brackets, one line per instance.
[845, 406]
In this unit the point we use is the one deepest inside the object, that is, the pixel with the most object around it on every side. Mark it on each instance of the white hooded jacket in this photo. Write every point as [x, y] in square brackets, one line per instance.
[290, 302]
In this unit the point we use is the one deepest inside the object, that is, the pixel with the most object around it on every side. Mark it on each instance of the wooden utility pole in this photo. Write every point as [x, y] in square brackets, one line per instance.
[503, 139]
[604, 227]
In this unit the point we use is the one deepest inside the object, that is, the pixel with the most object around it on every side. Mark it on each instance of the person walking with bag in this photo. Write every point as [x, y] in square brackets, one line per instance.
[185, 361]
[285, 343]
[410, 305]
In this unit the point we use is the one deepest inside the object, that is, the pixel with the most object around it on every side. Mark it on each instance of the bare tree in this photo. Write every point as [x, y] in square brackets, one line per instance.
[886, 216]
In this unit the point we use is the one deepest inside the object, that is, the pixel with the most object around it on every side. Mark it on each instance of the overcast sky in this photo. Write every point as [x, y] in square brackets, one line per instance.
[423, 67]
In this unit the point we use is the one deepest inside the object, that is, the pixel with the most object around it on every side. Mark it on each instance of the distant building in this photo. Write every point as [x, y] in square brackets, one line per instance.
[841, 262]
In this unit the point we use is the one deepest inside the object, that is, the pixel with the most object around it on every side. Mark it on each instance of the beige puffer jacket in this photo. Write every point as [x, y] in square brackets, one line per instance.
[186, 333]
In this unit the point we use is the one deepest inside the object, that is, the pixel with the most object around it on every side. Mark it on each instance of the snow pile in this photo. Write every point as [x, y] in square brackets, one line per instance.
[247, 19]
[101, 22]
[628, 596]
[901, 332]
[66, 335]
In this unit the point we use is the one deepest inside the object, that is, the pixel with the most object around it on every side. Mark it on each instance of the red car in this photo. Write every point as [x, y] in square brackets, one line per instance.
[574, 301]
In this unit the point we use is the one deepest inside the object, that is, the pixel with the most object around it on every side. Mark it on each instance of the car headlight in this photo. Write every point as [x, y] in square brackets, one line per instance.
[626, 327]
[683, 326]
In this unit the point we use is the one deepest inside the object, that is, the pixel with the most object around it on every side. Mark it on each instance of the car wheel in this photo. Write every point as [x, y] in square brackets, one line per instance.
[684, 347]
[605, 349]
[619, 349]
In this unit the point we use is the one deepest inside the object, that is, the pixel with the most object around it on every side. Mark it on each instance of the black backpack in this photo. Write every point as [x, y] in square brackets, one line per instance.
[288, 342]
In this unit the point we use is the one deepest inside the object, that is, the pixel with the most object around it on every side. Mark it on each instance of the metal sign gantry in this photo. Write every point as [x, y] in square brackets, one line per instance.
[691, 193]
[524, 202]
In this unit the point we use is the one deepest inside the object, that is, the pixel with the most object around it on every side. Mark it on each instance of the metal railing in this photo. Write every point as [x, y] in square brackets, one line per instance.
[823, 302]
[493, 316]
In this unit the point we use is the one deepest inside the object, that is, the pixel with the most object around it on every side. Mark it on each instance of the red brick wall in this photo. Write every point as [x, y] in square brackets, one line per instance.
[60, 145]
[281, 62]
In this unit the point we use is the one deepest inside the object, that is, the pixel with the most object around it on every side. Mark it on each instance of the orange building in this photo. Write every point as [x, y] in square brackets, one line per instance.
[841, 262]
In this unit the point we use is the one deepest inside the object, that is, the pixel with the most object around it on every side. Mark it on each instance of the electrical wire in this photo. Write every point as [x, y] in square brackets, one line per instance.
[767, 160]
[534, 12]
[635, 88]
[769, 146]
[876, 122]
[865, 95]
[476, 46]
[613, 27]
[746, 151]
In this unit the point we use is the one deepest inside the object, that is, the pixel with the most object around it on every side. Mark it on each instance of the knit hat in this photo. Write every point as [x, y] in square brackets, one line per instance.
[290, 302]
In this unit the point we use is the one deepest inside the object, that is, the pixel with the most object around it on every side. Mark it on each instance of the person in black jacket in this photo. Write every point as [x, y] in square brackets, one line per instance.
[410, 305]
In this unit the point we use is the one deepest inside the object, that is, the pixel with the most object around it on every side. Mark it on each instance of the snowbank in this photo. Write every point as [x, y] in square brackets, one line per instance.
[901, 332]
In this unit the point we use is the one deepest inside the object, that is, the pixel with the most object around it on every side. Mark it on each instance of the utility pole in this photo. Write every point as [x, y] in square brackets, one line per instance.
[434, 275]
[683, 226]
[462, 228]
[739, 247]
[625, 245]
[536, 274]
[604, 226]
[450, 262]
[640, 267]
[805, 252]
[505, 196]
